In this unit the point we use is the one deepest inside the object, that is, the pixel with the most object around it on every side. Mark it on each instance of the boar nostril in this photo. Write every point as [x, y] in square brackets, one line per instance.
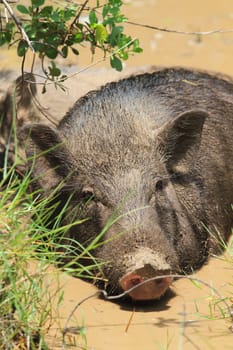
[135, 281]
[159, 281]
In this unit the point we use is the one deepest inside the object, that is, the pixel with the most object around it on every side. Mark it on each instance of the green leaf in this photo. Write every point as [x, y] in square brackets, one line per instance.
[65, 51]
[54, 40]
[63, 77]
[105, 10]
[38, 47]
[10, 26]
[8, 36]
[37, 3]
[22, 48]
[100, 33]
[51, 52]
[115, 35]
[196, 283]
[75, 51]
[55, 16]
[70, 40]
[69, 13]
[2, 39]
[137, 50]
[78, 38]
[136, 47]
[46, 11]
[92, 18]
[123, 55]
[116, 63]
[23, 9]
[54, 71]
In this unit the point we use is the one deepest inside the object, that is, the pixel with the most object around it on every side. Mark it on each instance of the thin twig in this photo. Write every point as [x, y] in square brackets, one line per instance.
[10, 1]
[79, 14]
[18, 23]
[175, 31]
[101, 59]
[66, 329]
[130, 320]
[82, 7]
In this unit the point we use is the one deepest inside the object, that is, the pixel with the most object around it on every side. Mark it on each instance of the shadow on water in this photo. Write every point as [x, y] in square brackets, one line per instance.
[127, 304]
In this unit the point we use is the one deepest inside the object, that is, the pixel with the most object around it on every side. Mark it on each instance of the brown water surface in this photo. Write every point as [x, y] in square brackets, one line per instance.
[212, 52]
[191, 319]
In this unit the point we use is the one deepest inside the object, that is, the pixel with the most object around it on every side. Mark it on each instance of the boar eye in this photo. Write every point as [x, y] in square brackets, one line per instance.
[88, 193]
[159, 186]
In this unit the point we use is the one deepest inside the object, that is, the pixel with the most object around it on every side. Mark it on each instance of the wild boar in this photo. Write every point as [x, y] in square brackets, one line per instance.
[148, 161]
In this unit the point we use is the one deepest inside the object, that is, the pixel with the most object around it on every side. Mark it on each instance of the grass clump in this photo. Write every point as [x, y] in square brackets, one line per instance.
[27, 250]
[221, 305]
[24, 307]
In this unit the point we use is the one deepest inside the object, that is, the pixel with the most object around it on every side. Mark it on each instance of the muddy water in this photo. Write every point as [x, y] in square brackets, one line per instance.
[212, 52]
[180, 322]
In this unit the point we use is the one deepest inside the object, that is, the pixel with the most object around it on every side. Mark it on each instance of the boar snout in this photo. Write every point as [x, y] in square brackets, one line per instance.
[153, 289]
[142, 266]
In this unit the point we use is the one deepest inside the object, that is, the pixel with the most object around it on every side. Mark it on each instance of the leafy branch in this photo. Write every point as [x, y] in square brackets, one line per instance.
[51, 32]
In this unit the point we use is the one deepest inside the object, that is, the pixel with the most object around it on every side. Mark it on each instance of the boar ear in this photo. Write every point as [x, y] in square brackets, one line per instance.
[47, 154]
[181, 139]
